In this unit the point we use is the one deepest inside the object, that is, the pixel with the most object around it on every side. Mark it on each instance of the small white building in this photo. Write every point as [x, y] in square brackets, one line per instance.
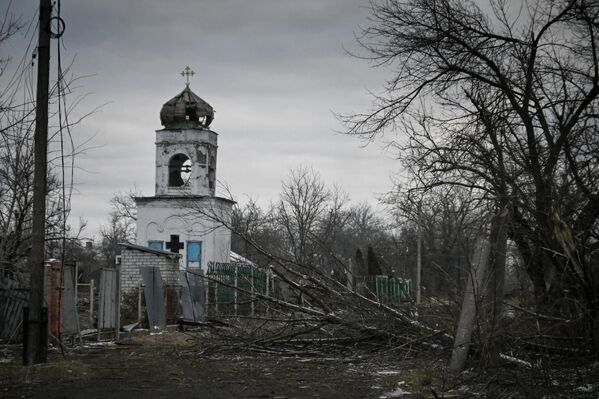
[184, 216]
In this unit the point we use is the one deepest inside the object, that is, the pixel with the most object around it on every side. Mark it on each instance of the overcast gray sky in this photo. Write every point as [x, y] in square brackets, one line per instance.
[274, 70]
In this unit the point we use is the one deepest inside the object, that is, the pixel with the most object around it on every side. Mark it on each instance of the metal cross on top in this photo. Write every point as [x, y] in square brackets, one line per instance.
[187, 72]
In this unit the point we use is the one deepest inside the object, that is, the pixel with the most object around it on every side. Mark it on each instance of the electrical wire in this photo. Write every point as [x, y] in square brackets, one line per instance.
[66, 201]
[64, 215]
[19, 92]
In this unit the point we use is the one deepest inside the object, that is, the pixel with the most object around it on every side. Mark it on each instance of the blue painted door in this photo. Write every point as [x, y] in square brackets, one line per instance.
[194, 254]
[155, 245]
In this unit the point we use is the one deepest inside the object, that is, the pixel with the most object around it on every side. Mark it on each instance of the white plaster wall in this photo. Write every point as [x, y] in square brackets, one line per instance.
[188, 142]
[193, 219]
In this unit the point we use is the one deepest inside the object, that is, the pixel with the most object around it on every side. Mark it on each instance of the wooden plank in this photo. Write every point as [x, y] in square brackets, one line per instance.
[107, 312]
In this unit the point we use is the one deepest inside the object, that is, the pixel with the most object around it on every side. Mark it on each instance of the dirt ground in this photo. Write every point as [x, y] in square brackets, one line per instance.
[172, 365]
[168, 366]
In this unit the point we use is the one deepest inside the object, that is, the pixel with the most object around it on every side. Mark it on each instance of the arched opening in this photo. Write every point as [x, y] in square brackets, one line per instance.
[179, 171]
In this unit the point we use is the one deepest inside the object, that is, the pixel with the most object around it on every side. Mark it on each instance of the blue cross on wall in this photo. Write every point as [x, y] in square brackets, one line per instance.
[175, 245]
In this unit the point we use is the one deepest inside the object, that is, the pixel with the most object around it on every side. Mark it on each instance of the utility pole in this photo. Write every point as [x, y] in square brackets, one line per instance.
[35, 329]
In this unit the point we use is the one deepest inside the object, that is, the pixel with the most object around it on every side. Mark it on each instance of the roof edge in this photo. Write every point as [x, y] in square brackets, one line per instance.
[182, 197]
[149, 250]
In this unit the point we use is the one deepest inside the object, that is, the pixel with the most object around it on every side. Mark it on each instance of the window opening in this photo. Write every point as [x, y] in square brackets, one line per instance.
[179, 171]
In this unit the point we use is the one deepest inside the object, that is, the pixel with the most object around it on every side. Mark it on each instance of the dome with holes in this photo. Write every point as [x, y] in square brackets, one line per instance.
[186, 110]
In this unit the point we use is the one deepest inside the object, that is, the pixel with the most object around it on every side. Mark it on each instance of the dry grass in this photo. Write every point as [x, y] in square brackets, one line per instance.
[58, 369]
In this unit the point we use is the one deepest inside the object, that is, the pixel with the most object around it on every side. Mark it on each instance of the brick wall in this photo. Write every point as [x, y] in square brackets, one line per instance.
[132, 260]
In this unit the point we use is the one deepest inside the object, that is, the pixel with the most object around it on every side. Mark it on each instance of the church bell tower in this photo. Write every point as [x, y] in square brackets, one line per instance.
[186, 147]
[184, 216]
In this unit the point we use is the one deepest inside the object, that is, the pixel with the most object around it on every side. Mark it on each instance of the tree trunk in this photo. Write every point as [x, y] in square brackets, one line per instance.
[494, 292]
[474, 288]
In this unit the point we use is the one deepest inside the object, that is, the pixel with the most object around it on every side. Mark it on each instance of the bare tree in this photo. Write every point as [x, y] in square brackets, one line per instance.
[17, 121]
[123, 204]
[117, 230]
[448, 220]
[303, 201]
[503, 102]
[251, 223]
[120, 226]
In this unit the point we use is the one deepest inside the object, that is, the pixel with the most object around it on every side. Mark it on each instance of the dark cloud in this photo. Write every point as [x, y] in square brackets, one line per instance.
[273, 70]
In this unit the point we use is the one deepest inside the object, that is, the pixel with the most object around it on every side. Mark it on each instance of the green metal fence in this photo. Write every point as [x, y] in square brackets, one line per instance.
[388, 289]
[232, 288]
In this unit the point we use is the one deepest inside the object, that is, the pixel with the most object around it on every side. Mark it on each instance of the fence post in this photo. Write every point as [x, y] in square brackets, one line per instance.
[235, 291]
[101, 305]
[267, 284]
[76, 283]
[139, 301]
[166, 299]
[267, 290]
[349, 275]
[118, 304]
[215, 298]
[252, 289]
[206, 284]
[91, 302]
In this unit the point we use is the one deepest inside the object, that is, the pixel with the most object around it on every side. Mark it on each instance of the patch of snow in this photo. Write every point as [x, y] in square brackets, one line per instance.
[104, 343]
[321, 359]
[5, 360]
[398, 392]
[387, 372]
[512, 359]
[586, 388]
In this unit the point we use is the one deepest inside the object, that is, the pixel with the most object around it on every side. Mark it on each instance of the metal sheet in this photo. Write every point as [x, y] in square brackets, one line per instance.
[69, 317]
[198, 298]
[186, 304]
[13, 298]
[154, 294]
[192, 296]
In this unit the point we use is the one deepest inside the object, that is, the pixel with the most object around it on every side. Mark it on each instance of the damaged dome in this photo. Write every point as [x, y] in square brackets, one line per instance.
[186, 110]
